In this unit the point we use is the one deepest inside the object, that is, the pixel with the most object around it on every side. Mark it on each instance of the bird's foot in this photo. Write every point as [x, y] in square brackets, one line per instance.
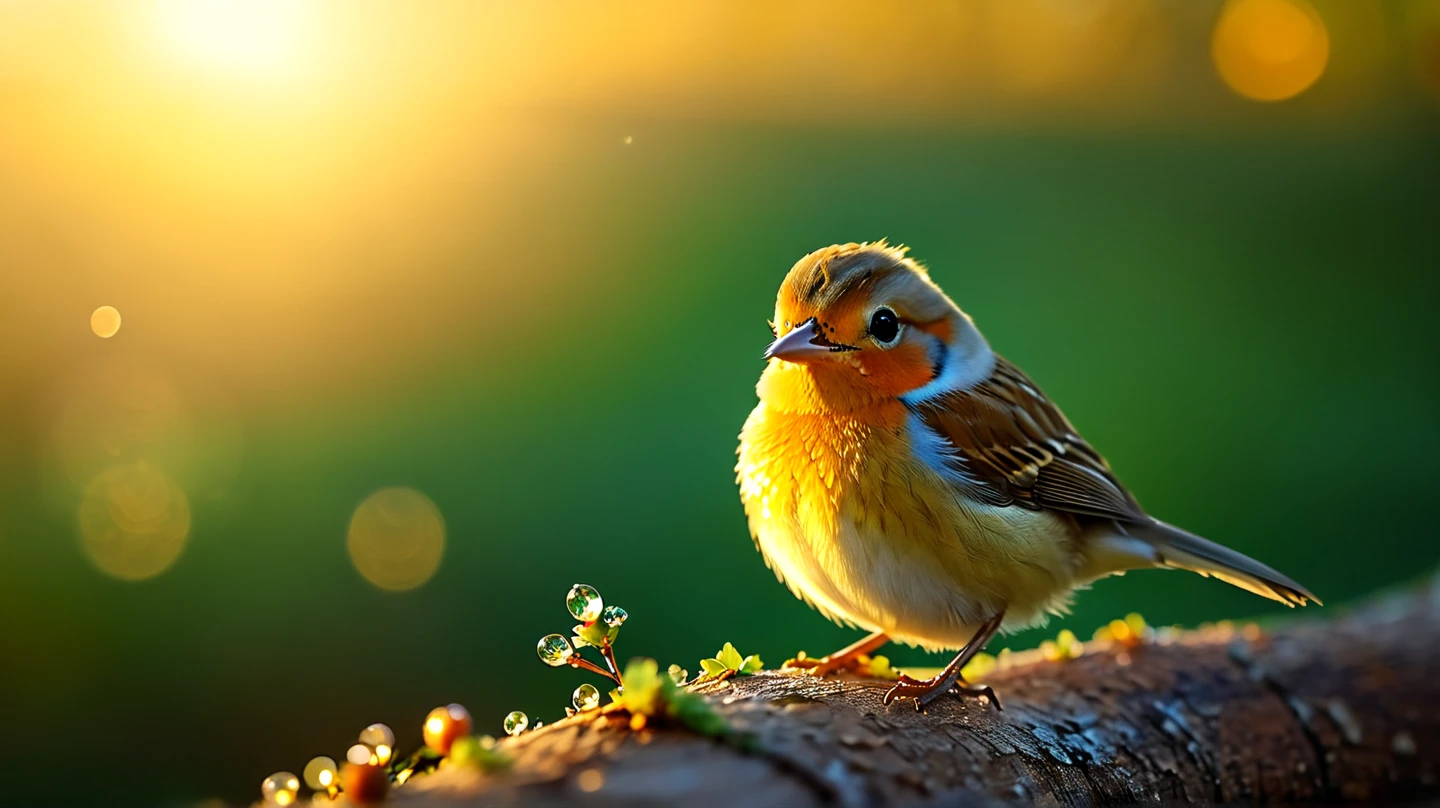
[962, 689]
[829, 665]
[924, 691]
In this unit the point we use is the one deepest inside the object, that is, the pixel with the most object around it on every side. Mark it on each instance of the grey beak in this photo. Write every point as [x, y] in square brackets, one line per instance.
[801, 342]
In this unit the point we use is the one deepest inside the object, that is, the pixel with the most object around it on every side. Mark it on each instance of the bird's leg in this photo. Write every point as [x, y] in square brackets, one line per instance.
[847, 658]
[924, 691]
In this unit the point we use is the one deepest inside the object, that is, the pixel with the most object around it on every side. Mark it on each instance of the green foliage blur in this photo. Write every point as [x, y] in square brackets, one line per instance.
[1237, 314]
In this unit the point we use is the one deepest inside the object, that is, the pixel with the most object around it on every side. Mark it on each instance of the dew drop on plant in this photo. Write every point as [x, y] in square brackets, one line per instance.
[280, 788]
[584, 602]
[516, 722]
[554, 650]
[321, 773]
[377, 735]
[586, 697]
[614, 616]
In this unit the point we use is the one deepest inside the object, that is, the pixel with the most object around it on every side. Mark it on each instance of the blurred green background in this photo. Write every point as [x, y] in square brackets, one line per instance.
[520, 259]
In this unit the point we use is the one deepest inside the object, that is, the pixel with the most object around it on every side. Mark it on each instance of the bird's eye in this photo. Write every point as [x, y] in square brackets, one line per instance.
[884, 326]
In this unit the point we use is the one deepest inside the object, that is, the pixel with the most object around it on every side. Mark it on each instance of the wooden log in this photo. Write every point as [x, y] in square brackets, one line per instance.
[1321, 710]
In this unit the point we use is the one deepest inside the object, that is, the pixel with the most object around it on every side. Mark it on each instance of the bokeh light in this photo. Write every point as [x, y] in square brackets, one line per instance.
[134, 521]
[233, 38]
[397, 537]
[105, 321]
[1270, 50]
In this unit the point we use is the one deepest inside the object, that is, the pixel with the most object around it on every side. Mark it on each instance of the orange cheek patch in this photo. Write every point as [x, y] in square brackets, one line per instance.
[941, 329]
[899, 370]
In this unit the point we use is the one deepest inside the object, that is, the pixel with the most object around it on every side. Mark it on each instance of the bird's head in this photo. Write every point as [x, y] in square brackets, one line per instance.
[861, 323]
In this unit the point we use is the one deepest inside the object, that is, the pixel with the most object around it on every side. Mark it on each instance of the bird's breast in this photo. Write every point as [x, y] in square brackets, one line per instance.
[856, 522]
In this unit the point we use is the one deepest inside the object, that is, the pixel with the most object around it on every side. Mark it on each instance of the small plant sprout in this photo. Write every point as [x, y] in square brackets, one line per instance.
[599, 626]
[729, 663]
[877, 666]
[1064, 647]
[649, 696]
[1128, 633]
[678, 675]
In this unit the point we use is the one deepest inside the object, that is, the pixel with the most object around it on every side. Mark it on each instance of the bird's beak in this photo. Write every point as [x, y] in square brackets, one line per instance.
[802, 342]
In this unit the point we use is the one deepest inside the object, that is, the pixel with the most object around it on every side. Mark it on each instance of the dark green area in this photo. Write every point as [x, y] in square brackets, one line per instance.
[1242, 322]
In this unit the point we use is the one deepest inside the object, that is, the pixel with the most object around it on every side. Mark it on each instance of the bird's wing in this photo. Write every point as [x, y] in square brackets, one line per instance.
[1019, 449]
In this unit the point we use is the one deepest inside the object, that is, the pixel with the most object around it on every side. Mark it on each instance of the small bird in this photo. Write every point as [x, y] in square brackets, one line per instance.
[901, 477]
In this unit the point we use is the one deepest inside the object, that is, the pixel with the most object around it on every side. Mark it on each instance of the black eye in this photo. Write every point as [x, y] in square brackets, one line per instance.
[884, 325]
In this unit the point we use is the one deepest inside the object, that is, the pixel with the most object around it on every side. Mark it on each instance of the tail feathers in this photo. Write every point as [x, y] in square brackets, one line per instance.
[1169, 546]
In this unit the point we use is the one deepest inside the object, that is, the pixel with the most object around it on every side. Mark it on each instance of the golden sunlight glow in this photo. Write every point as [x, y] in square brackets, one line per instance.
[396, 538]
[105, 321]
[236, 38]
[1270, 50]
[134, 521]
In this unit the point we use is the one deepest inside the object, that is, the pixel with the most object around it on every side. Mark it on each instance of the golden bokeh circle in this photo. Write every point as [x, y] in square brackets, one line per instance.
[397, 537]
[1270, 50]
[134, 521]
[105, 321]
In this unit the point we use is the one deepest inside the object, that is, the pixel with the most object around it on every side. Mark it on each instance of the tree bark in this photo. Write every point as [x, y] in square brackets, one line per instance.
[1345, 709]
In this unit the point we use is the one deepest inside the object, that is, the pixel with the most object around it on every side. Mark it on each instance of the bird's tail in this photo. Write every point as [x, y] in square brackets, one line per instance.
[1162, 545]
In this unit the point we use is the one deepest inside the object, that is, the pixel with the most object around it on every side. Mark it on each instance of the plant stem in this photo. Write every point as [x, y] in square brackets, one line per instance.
[585, 664]
[609, 654]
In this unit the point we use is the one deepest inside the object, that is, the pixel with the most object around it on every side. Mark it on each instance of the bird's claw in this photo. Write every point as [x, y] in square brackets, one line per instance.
[924, 691]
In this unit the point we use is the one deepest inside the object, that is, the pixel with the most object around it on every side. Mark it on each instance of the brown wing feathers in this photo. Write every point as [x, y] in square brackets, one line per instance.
[1020, 450]
[1021, 446]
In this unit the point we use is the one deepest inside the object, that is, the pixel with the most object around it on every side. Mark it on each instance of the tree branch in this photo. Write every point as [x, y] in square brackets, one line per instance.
[1345, 709]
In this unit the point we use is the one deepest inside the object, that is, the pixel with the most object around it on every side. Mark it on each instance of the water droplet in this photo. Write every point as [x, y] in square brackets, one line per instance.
[377, 735]
[584, 603]
[678, 675]
[554, 650]
[359, 754]
[321, 774]
[516, 722]
[614, 616]
[586, 697]
[280, 788]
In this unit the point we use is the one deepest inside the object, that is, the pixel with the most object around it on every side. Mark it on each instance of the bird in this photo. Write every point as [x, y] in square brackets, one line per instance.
[901, 477]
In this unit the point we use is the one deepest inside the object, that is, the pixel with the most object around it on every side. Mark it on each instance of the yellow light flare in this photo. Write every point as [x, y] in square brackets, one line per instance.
[1270, 50]
[244, 39]
[105, 321]
[134, 522]
[397, 537]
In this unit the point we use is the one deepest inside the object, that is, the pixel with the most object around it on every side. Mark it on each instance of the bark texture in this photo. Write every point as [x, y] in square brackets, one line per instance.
[1344, 709]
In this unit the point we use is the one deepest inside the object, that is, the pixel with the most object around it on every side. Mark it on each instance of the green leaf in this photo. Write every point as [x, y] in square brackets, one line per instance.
[594, 634]
[612, 634]
[752, 664]
[643, 687]
[713, 667]
[730, 658]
